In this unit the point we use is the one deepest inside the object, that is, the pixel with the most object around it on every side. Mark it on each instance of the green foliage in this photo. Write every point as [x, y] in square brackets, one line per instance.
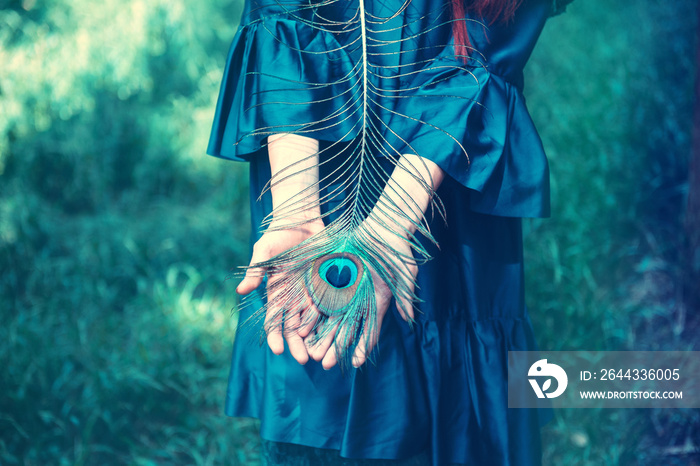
[116, 232]
[117, 337]
[101, 99]
[116, 235]
[614, 105]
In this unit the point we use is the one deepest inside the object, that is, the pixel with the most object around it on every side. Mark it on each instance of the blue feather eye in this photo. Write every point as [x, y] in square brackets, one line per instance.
[337, 281]
[339, 272]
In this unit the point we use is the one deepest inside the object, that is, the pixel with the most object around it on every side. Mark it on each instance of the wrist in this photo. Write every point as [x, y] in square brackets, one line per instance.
[400, 210]
[389, 226]
[294, 178]
[300, 219]
[387, 229]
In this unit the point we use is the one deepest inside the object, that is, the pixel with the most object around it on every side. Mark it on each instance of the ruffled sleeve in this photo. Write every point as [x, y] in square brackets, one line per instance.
[479, 129]
[274, 81]
[284, 75]
[482, 135]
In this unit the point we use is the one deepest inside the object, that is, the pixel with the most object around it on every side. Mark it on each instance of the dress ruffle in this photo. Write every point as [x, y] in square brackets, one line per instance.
[465, 390]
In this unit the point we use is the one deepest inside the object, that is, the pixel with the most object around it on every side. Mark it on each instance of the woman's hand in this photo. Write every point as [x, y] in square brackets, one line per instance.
[336, 341]
[299, 316]
[393, 221]
[296, 216]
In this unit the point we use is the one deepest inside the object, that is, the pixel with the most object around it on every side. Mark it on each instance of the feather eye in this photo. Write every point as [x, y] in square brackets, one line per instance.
[336, 280]
[368, 77]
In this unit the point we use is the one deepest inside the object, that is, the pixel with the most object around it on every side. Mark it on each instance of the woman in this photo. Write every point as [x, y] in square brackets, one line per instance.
[339, 104]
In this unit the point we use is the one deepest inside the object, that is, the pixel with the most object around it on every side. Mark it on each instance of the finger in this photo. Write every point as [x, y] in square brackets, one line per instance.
[275, 340]
[368, 340]
[273, 327]
[282, 318]
[330, 359]
[309, 318]
[294, 341]
[318, 349]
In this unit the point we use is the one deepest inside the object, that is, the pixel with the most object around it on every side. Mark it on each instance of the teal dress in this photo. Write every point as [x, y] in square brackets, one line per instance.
[439, 389]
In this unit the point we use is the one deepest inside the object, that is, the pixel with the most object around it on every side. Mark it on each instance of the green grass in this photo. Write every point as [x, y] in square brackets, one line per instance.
[117, 232]
[117, 339]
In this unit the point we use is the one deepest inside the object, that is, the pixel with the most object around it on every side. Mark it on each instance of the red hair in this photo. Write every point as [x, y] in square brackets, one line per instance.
[488, 10]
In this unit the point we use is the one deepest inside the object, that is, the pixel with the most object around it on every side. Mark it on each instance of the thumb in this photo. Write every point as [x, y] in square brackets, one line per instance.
[254, 275]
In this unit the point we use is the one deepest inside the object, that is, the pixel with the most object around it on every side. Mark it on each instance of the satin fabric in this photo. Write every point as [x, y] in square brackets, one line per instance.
[506, 163]
[441, 386]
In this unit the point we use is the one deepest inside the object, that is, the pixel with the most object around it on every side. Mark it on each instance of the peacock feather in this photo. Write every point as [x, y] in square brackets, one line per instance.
[379, 56]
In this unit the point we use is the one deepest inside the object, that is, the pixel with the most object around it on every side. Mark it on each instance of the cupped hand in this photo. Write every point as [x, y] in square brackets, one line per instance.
[336, 341]
[300, 315]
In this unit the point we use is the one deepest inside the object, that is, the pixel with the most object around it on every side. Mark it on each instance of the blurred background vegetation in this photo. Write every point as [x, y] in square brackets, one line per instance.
[117, 232]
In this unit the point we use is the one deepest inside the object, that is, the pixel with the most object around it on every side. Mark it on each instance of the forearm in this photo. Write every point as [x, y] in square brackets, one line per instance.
[407, 195]
[294, 177]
